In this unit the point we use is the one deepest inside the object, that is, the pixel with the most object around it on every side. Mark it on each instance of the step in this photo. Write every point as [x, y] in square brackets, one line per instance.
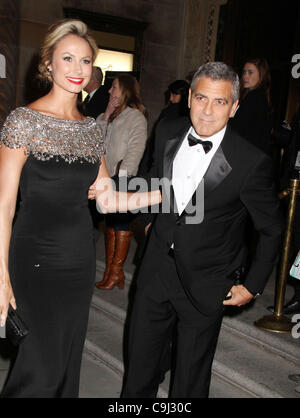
[4, 361]
[261, 352]
[254, 368]
[97, 380]
[238, 320]
[104, 341]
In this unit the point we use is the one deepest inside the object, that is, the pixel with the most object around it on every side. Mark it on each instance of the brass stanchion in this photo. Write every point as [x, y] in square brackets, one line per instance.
[277, 322]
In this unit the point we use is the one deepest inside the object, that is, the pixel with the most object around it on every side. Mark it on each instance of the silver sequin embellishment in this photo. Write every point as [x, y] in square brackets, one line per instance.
[46, 137]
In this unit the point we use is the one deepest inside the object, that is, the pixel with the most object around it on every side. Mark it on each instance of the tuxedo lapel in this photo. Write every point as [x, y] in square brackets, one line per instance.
[170, 151]
[217, 171]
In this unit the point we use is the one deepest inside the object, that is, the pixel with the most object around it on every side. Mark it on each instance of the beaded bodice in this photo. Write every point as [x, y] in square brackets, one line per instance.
[46, 137]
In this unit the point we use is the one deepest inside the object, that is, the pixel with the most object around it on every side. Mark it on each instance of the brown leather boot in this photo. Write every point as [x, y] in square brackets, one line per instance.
[110, 244]
[116, 274]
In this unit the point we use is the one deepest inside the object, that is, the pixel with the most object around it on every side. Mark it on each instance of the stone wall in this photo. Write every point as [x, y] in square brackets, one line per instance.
[200, 34]
[180, 35]
[9, 37]
[161, 49]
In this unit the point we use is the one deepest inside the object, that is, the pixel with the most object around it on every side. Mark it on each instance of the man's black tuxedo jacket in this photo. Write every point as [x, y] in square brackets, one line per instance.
[97, 103]
[239, 181]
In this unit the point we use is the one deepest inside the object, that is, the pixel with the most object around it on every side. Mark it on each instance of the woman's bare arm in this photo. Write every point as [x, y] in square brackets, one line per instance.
[11, 164]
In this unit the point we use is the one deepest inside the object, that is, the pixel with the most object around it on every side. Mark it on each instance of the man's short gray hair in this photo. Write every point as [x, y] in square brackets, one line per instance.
[218, 71]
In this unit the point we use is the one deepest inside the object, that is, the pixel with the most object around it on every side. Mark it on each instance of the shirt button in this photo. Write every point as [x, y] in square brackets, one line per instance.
[188, 177]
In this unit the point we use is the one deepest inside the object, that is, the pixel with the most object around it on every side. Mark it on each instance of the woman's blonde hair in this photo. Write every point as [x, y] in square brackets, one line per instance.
[55, 33]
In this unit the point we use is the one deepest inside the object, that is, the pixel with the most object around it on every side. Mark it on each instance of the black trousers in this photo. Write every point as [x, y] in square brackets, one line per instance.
[161, 304]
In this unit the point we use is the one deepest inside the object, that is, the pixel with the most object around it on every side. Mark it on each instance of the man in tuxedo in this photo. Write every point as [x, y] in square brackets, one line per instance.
[96, 101]
[188, 272]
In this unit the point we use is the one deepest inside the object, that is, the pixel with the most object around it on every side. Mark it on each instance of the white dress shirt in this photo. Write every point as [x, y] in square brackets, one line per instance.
[190, 165]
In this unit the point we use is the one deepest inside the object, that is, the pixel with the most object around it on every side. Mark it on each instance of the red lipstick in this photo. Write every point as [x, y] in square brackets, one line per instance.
[75, 80]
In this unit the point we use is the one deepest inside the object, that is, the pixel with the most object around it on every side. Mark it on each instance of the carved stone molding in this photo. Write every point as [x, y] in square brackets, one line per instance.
[210, 33]
[200, 35]
[2, 66]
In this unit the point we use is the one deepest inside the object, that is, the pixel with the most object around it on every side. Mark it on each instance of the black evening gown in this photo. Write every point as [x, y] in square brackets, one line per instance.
[52, 251]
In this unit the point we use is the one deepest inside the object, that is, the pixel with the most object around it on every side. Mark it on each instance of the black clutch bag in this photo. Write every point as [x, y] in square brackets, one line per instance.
[16, 330]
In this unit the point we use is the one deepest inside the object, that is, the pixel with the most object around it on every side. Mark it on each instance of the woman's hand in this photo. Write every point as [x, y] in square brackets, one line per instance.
[11, 165]
[113, 103]
[6, 298]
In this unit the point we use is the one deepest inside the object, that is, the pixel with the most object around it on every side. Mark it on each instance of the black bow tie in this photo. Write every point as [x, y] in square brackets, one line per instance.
[207, 145]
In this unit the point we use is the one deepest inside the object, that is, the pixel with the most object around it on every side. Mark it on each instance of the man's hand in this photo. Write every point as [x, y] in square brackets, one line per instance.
[239, 296]
[92, 192]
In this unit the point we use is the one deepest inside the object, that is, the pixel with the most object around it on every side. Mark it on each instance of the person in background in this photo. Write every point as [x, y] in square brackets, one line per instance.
[125, 128]
[97, 99]
[178, 93]
[253, 118]
[175, 109]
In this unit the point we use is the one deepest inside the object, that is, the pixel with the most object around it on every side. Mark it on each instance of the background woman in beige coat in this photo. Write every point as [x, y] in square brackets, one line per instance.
[125, 129]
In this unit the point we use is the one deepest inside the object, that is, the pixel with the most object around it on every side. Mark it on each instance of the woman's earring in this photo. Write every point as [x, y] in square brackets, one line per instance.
[48, 69]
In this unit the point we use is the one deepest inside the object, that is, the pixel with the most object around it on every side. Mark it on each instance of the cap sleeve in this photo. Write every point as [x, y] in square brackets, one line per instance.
[44, 136]
[15, 130]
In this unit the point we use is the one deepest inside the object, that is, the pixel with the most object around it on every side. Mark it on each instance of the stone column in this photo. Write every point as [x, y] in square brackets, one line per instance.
[9, 38]
[200, 33]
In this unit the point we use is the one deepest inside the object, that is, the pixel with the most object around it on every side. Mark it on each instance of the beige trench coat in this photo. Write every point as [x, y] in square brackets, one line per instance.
[125, 139]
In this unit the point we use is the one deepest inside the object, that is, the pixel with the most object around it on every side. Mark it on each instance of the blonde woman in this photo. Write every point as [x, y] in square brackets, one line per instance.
[47, 261]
